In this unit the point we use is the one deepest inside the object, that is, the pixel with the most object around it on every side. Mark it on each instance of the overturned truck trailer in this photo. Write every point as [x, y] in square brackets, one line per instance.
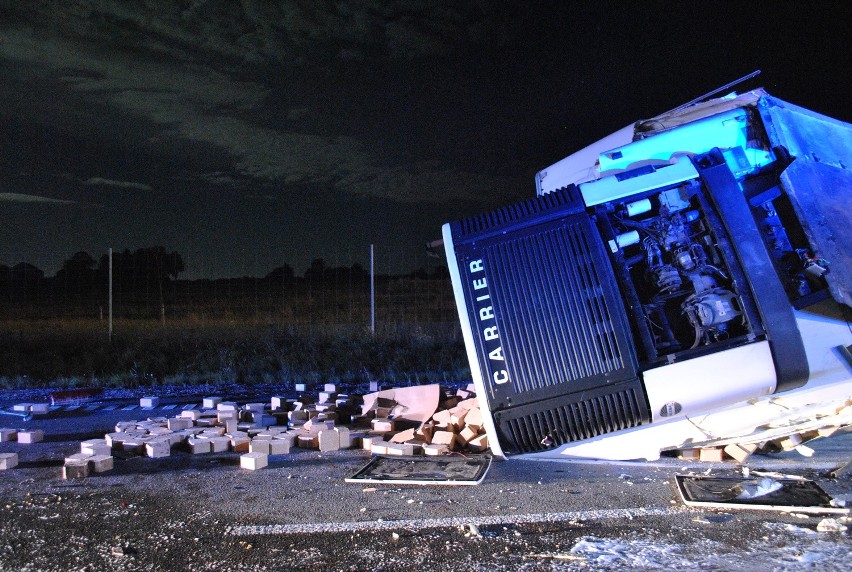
[685, 281]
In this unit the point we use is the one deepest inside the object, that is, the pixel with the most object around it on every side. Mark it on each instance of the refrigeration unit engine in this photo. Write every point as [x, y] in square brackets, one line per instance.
[660, 283]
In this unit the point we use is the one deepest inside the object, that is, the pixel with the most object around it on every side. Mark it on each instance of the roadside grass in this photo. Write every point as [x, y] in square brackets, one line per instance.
[78, 352]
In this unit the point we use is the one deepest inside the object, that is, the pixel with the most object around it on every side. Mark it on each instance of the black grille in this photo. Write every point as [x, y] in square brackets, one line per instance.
[564, 201]
[549, 327]
[551, 303]
[574, 421]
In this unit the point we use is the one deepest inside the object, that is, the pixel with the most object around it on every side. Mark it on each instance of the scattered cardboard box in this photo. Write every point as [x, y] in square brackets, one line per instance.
[740, 452]
[447, 438]
[279, 447]
[71, 459]
[692, 454]
[474, 417]
[31, 436]
[177, 423]
[478, 444]
[239, 443]
[404, 436]
[712, 454]
[328, 440]
[101, 463]
[217, 427]
[39, 408]
[260, 446]
[8, 461]
[383, 424]
[434, 449]
[467, 434]
[399, 449]
[158, 448]
[367, 441]
[379, 448]
[75, 470]
[199, 446]
[307, 442]
[344, 436]
[219, 444]
[417, 403]
[254, 461]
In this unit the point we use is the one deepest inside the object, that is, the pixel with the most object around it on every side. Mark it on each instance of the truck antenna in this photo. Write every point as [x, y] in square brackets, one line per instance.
[717, 90]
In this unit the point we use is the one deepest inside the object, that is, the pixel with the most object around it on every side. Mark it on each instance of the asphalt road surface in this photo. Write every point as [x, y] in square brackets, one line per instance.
[204, 512]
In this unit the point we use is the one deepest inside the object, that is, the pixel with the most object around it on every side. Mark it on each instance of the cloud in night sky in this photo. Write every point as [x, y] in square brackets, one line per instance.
[299, 128]
[98, 181]
[21, 198]
[199, 103]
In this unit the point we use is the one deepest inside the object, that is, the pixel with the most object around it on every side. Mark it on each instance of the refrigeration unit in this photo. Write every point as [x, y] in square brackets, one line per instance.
[657, 275]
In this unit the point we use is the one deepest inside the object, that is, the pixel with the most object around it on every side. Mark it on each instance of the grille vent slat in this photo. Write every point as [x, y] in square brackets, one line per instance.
[548, 296]
[575, 421]
[566, 200]
[549, 326]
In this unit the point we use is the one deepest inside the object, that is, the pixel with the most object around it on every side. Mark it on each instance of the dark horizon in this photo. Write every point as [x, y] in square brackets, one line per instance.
[23, 270]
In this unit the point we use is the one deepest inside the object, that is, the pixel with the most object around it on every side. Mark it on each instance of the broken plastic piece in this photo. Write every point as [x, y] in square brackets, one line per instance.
[468, 470]
[763, 493]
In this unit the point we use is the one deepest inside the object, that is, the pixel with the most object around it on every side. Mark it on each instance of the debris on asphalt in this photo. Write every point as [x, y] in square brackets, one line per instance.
[407, 421]
[446, 470]
[32, 408]
[422, 420]
[556, 556]
[75, 395]
[761, 492]
[844, 469]
[753, 489]
[841, 500]
[831, 525]
[75, 469]
[30, 436]
[741, 450]
[8, 461]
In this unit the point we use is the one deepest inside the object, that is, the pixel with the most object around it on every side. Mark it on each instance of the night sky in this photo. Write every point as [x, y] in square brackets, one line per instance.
[249, 134]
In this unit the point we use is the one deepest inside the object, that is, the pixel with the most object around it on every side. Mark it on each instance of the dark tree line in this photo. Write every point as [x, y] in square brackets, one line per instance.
[143, 270]
[320, 273]
[152, 269]
[146, 284]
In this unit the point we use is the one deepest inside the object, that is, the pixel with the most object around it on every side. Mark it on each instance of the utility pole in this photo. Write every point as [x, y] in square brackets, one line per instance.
[372, 292]
[110, 295]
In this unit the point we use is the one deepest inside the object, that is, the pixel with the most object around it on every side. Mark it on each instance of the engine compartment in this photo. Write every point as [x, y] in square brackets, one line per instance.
[668, 252]
[683, 285]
